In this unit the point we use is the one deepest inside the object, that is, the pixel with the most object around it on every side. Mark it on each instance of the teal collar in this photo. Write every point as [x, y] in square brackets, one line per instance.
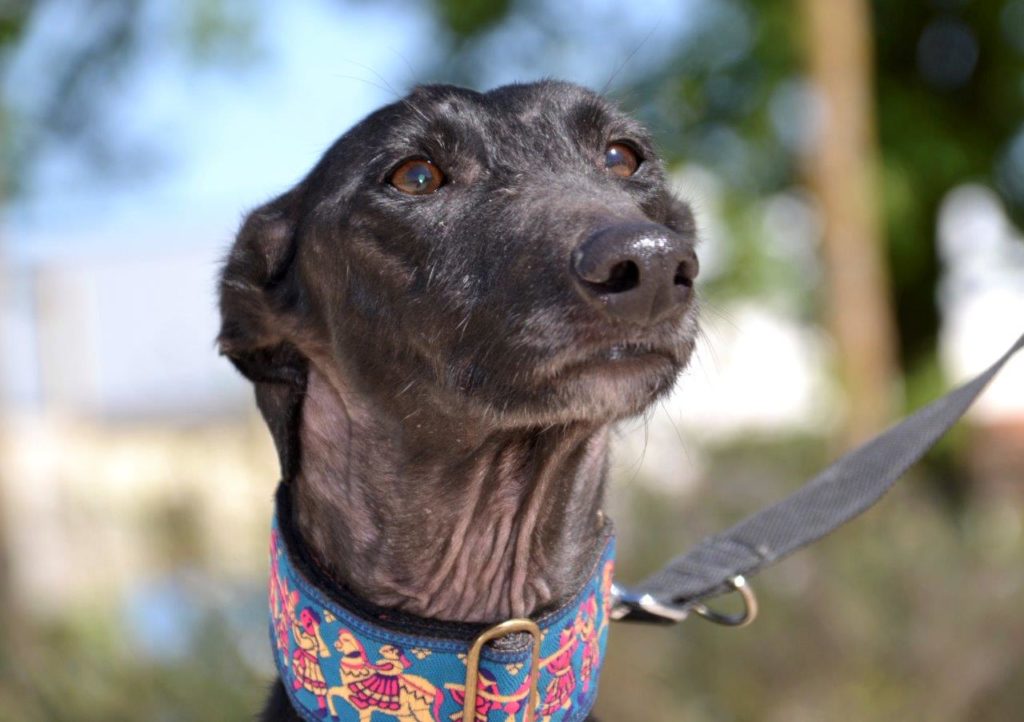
[343, 659]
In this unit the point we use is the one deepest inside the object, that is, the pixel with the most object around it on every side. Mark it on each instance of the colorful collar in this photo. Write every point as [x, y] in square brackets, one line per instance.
[342, 659]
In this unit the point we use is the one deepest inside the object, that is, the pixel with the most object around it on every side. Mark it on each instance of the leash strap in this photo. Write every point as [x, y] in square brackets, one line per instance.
[847, 488]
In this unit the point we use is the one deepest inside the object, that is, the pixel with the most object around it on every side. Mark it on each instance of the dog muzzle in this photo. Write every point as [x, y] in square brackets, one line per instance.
[342, 659]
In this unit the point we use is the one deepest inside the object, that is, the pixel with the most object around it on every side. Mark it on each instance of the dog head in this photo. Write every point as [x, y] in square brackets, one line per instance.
[512, 256]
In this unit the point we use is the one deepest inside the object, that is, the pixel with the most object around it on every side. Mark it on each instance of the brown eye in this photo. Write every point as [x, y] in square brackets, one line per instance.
[417, 177]
[621, 160]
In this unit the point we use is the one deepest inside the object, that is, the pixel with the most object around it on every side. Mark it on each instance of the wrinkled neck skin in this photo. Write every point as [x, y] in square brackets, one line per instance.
[446, 518]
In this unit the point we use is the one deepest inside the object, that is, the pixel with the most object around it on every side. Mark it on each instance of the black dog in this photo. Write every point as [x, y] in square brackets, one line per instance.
[442, 321]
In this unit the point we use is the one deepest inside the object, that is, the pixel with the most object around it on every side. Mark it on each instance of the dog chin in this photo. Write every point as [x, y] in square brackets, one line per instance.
[620, 388]
[594, 392]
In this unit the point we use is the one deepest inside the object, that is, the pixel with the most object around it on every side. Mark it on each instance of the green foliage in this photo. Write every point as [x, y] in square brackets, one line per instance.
[218, 31]
[12, 21]
[936, 134]
[467, 18]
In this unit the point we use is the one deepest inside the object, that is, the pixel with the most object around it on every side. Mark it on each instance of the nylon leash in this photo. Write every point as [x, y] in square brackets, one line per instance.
[850, 486]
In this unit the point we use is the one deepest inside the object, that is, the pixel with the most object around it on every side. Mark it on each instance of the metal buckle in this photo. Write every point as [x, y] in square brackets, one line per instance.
[473, 665]
[626, 603]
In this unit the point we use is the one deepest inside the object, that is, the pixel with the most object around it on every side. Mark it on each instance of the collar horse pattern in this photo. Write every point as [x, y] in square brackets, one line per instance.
[339, 665]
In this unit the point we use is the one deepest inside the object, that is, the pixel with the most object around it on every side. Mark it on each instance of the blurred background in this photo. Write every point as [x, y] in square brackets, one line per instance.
[857, 169]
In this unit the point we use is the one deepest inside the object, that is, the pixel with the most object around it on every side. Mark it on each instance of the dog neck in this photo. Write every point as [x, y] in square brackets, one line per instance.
[443, 520]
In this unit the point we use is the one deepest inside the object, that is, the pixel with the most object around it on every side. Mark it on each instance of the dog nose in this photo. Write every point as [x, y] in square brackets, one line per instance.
[641, 273]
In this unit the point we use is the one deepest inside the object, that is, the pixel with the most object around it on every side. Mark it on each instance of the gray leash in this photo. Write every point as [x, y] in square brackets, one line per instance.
[851, 485]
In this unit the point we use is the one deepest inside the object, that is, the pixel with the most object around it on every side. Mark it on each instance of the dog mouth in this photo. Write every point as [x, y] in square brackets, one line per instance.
[627, 351]
[621, 360]
[575, 371]
[622, 376]
[610, 381]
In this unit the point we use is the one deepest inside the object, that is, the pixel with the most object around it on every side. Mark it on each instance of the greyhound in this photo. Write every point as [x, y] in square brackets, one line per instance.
[442, 321]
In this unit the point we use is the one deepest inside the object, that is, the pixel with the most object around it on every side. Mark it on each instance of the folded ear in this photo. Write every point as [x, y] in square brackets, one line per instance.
[257, 309]
[250, 287]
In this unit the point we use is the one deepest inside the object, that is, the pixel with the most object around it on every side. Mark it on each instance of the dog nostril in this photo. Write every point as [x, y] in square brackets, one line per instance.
[623, 276]
[635, 272]
[683, 277]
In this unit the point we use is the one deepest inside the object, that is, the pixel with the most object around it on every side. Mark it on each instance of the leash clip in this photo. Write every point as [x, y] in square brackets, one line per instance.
[632, 606]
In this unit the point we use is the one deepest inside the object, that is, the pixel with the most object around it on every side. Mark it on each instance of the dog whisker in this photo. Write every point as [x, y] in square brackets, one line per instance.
[412, 80]
[379, 77]
[365, 81]
[624, 63]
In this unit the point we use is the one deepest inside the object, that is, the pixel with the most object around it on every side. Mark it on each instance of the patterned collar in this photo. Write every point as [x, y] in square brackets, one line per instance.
[342, 659]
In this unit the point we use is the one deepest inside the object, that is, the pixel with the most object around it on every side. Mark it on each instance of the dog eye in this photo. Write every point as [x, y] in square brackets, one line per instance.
[417, 177]
[621, 160]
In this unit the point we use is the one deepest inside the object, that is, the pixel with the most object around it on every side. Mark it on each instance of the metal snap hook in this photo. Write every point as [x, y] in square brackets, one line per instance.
[742, 619]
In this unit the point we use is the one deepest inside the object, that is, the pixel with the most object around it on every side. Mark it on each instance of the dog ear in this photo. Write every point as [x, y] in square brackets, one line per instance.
[257, 310]
[253, 298]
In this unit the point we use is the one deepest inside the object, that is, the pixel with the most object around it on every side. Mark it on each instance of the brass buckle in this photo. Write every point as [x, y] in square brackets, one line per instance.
[473, 665]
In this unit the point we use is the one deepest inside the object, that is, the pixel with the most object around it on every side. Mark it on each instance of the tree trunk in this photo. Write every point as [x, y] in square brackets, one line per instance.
[841, 167]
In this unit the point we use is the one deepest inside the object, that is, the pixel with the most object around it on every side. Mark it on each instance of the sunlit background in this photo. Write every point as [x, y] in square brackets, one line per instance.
[860, 192]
